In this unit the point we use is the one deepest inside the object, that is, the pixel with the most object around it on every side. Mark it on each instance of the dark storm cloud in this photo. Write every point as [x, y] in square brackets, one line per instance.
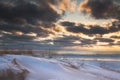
[66, 23]
[101, 8]
[92, 29]
[15, 27]
[69, 41]
[28, 10]
[13, 37]
[25, 29]
[87, 41]
[27, 16]
[104, 40]
[115, 37]
[118, 43]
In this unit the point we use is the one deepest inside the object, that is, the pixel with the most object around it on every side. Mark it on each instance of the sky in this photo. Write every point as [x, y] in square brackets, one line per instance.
[75, 24]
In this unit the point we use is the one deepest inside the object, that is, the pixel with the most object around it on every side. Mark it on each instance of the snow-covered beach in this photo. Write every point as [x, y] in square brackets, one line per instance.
[53, 69]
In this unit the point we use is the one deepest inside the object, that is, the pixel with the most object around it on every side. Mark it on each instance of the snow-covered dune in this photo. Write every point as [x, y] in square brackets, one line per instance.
[52, 69]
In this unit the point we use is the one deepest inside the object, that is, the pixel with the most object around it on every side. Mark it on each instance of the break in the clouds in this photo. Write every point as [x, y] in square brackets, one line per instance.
[101, 8]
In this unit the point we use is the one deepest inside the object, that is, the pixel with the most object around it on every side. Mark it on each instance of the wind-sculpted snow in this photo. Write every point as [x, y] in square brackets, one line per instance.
[32, 68]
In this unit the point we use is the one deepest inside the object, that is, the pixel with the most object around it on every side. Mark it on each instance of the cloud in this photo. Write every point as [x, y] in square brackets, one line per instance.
[74, 41]
[69, 5]
[28, 16]
[101, 8]
[23, 29]
[67, 23]
[87, 41]
[13, 37]
[28, 10]
[91, 29]
[66, 40]
[118, 43]
[115, 37]
[104, 40]
[31, 16]
[96, 33]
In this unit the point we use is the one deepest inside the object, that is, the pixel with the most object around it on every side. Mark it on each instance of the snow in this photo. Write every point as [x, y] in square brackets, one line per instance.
[52, 69]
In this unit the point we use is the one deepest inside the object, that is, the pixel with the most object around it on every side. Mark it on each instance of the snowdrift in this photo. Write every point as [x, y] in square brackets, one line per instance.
[32, 68]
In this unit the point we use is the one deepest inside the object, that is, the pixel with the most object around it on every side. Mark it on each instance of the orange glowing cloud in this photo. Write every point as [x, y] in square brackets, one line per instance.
[67, 5]
[18, 32]
[83, 7]
[31, 34]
